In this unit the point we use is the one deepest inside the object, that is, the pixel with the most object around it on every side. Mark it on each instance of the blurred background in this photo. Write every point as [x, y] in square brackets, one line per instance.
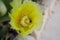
[51, 30]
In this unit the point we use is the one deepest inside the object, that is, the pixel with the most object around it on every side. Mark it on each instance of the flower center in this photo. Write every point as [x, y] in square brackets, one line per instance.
[25, 21]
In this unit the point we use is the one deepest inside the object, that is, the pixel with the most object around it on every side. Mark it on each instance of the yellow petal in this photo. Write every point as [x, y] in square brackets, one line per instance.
[26, 18]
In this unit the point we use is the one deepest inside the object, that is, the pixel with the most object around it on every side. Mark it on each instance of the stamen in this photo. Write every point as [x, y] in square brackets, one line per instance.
[25, 21]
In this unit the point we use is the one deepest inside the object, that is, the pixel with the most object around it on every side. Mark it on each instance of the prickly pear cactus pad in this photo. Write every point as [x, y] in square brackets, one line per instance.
[25, 17]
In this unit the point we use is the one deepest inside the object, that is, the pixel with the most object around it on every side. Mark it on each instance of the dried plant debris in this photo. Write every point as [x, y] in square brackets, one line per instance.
[6, 33]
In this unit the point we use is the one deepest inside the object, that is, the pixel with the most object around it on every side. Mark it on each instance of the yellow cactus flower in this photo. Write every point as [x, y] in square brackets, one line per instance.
[25, 17]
